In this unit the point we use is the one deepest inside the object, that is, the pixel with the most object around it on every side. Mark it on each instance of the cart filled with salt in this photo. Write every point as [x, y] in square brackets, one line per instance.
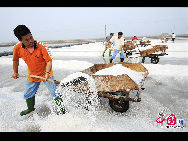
[119, 82]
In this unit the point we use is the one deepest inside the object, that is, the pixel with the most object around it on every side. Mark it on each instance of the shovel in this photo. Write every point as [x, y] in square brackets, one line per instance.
[36, 76]
[75, 82]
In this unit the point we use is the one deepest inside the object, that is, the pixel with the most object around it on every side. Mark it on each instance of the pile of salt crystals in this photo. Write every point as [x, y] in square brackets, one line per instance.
[118, 69]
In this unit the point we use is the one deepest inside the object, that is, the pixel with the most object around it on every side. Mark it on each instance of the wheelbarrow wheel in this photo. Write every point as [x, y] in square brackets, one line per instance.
[154, 60]
[119, 105]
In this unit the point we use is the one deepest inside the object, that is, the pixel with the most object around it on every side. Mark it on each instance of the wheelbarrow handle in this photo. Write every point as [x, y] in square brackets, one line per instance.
[40, 77]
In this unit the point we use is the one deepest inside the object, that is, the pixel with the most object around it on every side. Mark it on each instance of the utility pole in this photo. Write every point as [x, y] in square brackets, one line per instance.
[174, 28]
[105, 30]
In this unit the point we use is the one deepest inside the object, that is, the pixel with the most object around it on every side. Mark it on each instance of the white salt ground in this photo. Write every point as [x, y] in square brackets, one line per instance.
[166, 90]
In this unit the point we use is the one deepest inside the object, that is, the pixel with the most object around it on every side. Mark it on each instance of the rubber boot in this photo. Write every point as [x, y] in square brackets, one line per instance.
[59, 103]
[103, 54]
[30, 105]
[111, 60]
[110, 53]
[121, 59]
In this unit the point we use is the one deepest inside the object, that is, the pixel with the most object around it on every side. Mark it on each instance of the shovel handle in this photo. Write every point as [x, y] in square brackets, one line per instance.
[40, 77]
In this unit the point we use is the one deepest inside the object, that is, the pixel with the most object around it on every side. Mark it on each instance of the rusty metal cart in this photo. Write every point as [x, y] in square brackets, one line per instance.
[116, 88]
[145, 43]
[152, 53]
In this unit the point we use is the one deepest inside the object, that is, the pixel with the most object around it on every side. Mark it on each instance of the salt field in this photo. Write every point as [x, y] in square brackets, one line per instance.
[165, 91]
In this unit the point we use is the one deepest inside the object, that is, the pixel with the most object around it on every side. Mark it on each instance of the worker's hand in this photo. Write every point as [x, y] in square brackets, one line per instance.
[15, 75]
[119, 52]
[47, 76]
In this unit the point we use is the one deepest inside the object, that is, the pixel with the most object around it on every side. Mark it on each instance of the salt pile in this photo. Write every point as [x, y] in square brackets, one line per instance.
[118, 69]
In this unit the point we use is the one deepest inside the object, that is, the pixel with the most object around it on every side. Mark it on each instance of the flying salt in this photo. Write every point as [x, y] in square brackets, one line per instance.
[88, 98]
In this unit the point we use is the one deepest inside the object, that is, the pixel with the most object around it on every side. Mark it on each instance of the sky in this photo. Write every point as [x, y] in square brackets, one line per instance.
[69, 23]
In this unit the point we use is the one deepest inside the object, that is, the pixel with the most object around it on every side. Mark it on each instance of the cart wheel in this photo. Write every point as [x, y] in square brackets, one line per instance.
[154, 60]
[119, 105]
[128, 53]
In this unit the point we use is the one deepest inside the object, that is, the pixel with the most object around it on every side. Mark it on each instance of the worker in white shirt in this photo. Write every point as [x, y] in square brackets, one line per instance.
[119, 42]
[173, 37]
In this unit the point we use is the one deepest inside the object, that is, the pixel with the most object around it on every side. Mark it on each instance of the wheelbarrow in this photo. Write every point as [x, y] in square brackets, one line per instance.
[118, 89]
[154, 53]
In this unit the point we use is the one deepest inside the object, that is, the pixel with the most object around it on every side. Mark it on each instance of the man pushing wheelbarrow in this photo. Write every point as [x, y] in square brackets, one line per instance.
[39, 62]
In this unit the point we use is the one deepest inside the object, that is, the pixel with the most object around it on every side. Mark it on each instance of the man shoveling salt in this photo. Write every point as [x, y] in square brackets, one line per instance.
[39, 62]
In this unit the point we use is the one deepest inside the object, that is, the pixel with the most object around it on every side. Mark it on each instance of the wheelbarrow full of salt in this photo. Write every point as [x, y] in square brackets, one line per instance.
[119, 82]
